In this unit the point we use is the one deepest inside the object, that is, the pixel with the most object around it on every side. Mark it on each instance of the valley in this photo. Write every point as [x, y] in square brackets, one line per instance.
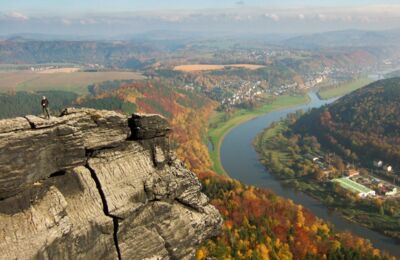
[216, 95]
[239, 144]
[363, 191]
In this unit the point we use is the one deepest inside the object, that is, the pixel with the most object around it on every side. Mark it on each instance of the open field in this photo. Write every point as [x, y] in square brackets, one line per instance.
[217, 134]
[206, 67]
[73, 81]
[266, 137]
[344, 88]
[352, 185]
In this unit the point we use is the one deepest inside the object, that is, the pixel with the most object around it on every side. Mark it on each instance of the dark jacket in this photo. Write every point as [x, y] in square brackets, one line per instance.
[45, 103]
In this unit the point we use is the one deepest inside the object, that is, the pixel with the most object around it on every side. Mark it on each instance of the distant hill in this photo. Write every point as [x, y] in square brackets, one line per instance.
[20, 50]
[364, 125]
[347, 38]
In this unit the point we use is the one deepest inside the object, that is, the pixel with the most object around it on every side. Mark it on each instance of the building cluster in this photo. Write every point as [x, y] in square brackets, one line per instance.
[282, 89]
[380, 187]
[313, 80]
[93, 66]
[363, 185]
[243, 91]
[43, 68]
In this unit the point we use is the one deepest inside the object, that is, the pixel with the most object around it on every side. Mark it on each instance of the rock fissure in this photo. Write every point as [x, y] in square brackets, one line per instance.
[30, 123]
[57, 174]
[92, 152]
[115, 237]
[97, 184]
[106, 210]
[188, 205]
[167, 246]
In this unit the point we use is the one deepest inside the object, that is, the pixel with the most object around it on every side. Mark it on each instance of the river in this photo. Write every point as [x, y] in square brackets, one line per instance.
[241, 162]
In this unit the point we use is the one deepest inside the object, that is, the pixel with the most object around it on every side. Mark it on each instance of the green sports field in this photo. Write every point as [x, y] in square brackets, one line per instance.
[352, 185]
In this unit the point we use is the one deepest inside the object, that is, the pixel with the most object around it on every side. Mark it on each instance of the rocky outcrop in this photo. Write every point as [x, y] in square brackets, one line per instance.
[97, 185]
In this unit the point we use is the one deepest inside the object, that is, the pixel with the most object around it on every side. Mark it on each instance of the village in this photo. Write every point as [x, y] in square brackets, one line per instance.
[236, 93]
[364, 185]
[243, 91]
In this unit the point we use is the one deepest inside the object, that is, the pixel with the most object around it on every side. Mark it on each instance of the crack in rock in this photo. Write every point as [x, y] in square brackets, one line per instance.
[167, 246]
[106, 210]
[30, 123]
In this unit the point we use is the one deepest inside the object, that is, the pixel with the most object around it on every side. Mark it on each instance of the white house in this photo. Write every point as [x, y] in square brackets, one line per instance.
[370, 193]
[392, 192]
[388, 168]
[378, 164]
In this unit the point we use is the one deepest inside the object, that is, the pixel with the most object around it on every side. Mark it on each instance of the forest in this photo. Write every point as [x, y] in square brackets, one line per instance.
[308, 150]
[27, 103]
[260, 225]
[363, 126]
[289, 156]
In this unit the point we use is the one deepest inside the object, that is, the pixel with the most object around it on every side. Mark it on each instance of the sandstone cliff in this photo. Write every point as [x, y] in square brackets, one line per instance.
[97, 185]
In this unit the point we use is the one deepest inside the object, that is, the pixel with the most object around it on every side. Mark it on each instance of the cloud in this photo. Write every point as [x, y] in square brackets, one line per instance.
[237, 18]
[17, 16]
[66, 21]
[88, 21]
[240, 3]
[322, 17]
[273, 17]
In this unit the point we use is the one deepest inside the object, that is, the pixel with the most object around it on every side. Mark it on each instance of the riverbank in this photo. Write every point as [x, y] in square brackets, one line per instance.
[285, 157]
[344, 89]
[220, 124]
[242, 162]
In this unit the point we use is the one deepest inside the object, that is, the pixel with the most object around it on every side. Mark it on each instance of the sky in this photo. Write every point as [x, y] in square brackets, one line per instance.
[123, 17]
[81, 6]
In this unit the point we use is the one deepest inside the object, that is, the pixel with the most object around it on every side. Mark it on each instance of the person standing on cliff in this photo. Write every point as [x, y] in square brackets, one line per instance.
[45, 105]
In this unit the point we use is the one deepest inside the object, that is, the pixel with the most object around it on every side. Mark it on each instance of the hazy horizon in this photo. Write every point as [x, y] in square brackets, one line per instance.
[121, 17]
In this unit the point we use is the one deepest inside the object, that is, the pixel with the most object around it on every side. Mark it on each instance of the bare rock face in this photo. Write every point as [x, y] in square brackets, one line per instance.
[145, 126]
[97, 185]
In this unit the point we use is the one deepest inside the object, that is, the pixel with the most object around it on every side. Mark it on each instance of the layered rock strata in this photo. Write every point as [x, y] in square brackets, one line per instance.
[97, 185]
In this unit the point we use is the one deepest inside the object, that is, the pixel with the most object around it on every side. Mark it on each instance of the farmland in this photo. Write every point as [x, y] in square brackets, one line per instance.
[208, 67]
[59, 70]
[73, 81]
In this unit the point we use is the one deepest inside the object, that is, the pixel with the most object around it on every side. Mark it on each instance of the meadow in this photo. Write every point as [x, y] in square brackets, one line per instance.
[344, 89]
[222, 127]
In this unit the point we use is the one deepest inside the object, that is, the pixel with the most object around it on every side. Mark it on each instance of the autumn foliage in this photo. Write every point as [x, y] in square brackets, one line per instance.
[260, 225]
[187, 111]
[363, 126]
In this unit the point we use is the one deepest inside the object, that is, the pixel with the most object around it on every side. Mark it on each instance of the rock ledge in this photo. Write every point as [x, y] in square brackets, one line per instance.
[96, 184]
